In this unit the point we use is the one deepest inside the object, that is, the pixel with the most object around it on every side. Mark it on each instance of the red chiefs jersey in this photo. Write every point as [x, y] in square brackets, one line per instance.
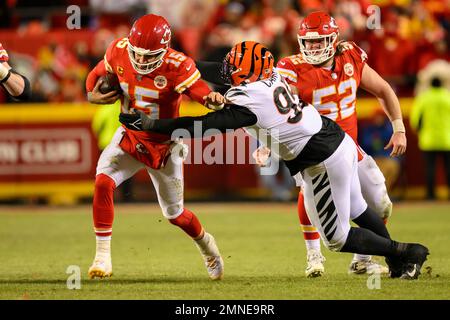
[158, 93]
[3, 54]
[332, 91]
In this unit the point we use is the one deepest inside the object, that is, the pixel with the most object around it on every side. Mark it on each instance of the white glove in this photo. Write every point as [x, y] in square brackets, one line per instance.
[3, 71]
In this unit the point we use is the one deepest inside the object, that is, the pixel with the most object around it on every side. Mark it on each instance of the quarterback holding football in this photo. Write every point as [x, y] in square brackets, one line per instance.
[153, 77]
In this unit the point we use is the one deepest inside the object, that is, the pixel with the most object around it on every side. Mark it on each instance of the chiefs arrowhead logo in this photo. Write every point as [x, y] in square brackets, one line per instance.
[140, 148]
[160, 82]
[166, 36]
[348, 69]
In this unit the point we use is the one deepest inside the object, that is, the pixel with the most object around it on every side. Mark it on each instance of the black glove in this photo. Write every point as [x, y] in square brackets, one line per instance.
[139, 121]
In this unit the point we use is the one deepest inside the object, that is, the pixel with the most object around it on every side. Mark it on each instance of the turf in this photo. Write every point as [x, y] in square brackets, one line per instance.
[263, 252]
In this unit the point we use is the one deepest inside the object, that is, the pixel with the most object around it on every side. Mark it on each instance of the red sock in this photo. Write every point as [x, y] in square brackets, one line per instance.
[103, 205]
[189, 223]
[309, 232]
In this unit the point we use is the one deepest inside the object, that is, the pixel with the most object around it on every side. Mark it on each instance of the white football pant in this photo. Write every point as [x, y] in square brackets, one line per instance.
[333, 194]
[373, 187]
[168, 181]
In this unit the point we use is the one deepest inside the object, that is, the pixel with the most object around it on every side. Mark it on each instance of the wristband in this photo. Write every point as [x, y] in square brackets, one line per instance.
[398, 126]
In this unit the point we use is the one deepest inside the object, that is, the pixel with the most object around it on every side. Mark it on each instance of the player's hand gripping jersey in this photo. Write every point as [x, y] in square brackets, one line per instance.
[332, 91]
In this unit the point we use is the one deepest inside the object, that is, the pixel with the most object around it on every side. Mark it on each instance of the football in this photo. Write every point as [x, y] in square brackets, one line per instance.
[110, 83]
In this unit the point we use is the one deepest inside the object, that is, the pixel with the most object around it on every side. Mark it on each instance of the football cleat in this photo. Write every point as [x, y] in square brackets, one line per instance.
[395, 266]
[214, 266]
[367, 267]
[314, 267]
[101, 268]
[415, 256]
[213, 260]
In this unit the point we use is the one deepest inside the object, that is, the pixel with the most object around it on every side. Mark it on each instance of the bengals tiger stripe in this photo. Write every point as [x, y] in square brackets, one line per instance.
[248, 61]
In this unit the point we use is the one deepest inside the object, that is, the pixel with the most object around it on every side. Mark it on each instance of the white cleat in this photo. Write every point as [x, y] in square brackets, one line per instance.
[101, 268]
[214, 266]
[314, 267]
[211, 256]
[367, 267]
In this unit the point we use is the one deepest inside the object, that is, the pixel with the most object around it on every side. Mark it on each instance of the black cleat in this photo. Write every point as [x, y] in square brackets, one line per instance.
[395, 265]
[413, 259]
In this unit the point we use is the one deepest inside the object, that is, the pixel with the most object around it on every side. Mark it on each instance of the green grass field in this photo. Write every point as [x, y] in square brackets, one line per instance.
[261, 245]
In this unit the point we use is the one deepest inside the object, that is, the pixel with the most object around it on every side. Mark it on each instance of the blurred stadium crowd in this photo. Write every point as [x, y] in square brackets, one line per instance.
[56, 60]
[407, 42]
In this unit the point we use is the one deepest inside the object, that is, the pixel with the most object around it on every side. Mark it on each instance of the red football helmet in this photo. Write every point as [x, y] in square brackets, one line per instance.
[318, 26]
[149, 37]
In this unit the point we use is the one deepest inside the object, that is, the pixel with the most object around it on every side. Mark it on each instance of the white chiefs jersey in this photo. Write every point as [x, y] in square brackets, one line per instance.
[290, 124]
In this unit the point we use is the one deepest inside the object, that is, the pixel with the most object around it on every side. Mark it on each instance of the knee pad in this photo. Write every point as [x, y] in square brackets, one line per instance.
[386, 210]
[381, 204]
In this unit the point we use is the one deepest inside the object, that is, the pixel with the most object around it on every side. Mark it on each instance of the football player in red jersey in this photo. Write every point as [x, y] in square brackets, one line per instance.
[327, 74]
[153, 78]
[16, 85]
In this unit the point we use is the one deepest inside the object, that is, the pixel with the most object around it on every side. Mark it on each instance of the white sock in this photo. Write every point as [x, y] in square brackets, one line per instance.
[361, 257]
[205, 247]
[312, 244]
[103, 247]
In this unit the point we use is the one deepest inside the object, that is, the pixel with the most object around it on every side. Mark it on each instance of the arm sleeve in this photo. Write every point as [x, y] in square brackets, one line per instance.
[91, 80]
[197, 91]
[230, 117]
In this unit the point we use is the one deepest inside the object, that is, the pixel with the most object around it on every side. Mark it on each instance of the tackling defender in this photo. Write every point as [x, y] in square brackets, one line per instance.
[16, 85]
[310, 144]
[153, 78]
[327, 73]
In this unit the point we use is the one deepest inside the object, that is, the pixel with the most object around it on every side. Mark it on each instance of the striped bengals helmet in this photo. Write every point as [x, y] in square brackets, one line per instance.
[247, 62]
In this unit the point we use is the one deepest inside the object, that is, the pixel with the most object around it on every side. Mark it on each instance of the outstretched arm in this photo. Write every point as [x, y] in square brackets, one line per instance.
[15, 84]
[230, 117]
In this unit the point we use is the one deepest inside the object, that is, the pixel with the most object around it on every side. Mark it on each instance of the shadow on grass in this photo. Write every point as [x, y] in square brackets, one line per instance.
[229, 280]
